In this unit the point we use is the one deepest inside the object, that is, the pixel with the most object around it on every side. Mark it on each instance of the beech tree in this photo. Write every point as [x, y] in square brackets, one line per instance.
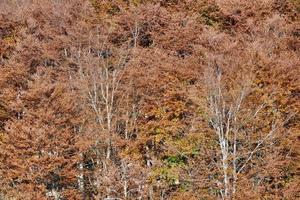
[106, 99]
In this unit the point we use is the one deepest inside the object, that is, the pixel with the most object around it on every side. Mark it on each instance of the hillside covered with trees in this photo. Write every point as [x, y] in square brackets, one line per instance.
[149, 99]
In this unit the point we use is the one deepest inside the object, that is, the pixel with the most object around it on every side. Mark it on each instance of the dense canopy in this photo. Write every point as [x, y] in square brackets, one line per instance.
[149, 99]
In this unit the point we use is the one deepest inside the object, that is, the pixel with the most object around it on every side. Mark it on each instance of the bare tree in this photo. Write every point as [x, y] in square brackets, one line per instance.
[135, 31]
[233, 125]
[101, 73]
[112, 105]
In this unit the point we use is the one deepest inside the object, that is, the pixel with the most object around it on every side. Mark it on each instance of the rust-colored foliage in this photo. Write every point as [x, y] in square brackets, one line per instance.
[110, 99]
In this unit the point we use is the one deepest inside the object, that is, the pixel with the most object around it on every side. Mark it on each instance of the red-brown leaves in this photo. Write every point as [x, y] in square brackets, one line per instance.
[55, 56]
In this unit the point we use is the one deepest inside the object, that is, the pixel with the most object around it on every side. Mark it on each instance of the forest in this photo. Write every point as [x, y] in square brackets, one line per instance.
[149, 99]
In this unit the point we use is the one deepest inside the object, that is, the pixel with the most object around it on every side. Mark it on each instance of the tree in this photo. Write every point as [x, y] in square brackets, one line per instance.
[111, 112]
[240, 140]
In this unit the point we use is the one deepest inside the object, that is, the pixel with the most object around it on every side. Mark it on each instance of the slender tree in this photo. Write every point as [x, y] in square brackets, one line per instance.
[239, 138]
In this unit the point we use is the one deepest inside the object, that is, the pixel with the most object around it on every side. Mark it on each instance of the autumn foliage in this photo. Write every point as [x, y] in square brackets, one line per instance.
[156, 99]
